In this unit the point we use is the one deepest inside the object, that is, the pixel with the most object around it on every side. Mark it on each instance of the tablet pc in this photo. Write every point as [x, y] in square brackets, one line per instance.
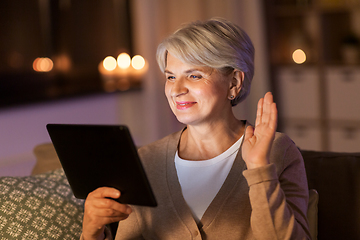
[94, 156]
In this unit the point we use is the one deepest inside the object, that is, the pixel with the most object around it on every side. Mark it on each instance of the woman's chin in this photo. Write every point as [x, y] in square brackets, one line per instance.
[185, 120]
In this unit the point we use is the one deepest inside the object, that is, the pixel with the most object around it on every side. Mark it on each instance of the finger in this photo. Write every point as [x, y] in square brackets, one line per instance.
[115, 219]
[259, 112]
[119, 207]
[105, 192]
[106, 203]
[274, 116]
[267, 107]
[268, 97]
[104, 198]
[111, 210]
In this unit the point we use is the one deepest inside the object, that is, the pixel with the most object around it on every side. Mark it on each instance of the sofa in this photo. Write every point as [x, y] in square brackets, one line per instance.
[336, 178]
[42, 206]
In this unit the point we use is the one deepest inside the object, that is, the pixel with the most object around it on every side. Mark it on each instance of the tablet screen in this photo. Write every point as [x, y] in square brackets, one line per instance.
[94, 156]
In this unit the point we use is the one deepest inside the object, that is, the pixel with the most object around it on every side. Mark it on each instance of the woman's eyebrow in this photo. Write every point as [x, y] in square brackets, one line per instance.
[187, 71]
[193, 70]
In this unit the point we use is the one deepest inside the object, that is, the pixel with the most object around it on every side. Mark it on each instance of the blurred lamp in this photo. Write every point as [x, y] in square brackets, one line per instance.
[138, 62]
[123, 72]
[299, 56]
[109, 63]
[124, 60]
[43, 64]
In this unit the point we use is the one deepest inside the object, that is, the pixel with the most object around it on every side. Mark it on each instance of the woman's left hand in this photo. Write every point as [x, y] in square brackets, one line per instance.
[258, 141]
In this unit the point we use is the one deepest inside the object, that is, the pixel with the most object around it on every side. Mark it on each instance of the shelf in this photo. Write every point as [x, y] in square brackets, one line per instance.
[305, 92]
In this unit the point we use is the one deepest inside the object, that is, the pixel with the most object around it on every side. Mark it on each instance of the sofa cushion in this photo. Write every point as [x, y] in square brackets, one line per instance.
[39, 207]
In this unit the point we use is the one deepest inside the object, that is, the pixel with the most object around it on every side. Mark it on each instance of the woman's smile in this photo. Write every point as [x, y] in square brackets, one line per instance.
[184, 105]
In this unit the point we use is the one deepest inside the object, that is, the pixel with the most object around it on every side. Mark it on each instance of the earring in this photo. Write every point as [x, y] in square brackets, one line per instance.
[232, 97]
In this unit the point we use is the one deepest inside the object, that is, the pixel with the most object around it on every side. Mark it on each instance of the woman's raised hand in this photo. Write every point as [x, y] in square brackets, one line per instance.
[101, 210]
[258, 141]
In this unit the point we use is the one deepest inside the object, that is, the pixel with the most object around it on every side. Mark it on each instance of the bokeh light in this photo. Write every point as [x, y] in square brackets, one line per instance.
[138, 62]
[124, 60]
[43, 64]
[299, 56]
[109, 63]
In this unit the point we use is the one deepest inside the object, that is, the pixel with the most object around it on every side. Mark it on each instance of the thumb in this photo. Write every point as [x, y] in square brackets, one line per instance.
[249, 132]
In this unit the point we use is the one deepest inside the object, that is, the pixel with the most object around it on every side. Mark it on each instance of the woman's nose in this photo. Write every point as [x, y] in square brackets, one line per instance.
[179, 87]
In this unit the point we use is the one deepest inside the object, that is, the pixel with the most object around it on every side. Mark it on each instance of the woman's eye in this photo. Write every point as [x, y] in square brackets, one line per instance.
[170, 78]
[195, 77]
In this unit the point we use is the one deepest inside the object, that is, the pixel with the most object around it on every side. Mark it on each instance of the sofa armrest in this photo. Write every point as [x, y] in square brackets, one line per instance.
[336, 177]
[46, 159]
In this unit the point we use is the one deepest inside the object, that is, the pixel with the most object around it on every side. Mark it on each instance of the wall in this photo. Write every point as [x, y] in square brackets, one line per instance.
[21, 128]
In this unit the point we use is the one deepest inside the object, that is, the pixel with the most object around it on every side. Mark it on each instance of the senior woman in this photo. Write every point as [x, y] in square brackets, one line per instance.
[218, 178]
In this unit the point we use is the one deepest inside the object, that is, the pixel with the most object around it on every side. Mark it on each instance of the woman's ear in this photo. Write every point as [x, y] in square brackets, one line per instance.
[237, 78]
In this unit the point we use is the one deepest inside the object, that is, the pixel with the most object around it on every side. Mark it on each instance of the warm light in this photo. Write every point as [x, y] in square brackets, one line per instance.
[138, 62]
[124, 60]
[35, 64]
[299, 56]
[109, 63]
[123, 73]
[43, 64]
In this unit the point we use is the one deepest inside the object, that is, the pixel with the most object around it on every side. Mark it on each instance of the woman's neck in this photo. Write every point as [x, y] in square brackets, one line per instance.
[208, 141]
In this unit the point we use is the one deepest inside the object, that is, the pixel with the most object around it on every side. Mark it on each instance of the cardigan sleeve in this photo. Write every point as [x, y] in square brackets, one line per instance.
[279, 195]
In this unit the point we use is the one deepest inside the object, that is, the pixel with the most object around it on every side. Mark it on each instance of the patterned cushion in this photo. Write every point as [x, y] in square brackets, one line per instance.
[39, 207]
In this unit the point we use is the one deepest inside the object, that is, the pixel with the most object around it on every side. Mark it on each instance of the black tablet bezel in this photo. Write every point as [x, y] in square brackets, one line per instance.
[94, 156]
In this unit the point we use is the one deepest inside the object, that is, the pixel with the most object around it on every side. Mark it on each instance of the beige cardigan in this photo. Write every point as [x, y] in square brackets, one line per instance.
[264, 203]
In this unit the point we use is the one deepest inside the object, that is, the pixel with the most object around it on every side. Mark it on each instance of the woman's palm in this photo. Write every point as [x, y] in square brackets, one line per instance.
[258, 140]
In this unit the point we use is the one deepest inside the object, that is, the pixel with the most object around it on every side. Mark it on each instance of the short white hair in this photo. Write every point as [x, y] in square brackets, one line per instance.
[216, 43]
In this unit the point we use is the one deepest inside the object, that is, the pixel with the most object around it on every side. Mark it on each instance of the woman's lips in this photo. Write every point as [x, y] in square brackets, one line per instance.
[184, 105]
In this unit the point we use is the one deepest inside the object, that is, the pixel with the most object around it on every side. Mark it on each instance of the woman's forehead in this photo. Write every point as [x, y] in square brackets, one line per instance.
[174, 63]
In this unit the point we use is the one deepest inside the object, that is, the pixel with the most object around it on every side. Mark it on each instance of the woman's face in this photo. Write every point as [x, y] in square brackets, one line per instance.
[196, 95]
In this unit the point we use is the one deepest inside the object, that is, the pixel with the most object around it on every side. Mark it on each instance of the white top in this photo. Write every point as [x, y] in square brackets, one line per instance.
[201, 180]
